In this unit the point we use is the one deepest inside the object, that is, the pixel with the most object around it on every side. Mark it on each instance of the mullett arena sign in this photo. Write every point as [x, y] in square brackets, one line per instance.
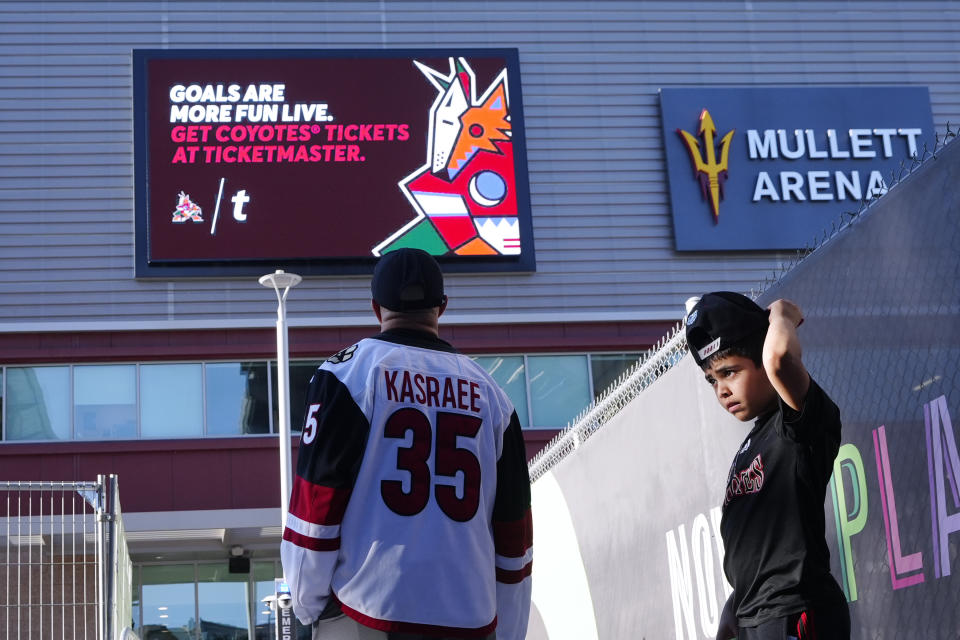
[771, 168]
[321, 160]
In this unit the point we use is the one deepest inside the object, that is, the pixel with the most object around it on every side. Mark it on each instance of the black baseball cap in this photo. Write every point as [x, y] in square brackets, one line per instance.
[720, 320]
[407, 280]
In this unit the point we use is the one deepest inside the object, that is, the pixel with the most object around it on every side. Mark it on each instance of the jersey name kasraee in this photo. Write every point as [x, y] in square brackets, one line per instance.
[452, 393]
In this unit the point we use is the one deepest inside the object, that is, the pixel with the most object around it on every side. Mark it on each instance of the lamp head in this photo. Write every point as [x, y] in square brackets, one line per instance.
[280, 279]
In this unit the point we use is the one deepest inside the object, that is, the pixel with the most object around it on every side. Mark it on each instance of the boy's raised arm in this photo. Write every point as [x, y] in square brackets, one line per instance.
[782, 354]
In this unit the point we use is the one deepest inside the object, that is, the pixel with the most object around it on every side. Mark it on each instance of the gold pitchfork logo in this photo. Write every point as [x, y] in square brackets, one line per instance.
[708, 171]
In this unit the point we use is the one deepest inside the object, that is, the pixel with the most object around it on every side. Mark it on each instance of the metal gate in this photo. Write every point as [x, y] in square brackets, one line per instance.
[65, 571]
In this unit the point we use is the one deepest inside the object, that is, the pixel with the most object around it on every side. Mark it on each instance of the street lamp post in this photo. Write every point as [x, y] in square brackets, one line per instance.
[281, 280]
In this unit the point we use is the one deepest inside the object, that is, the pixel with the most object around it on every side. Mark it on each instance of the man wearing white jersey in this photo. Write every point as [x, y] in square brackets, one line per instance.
[410, 511]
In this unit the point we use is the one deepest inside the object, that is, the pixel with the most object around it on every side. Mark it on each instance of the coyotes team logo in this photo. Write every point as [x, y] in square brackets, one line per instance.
[465, 193]
[187, 210]
[342, 356]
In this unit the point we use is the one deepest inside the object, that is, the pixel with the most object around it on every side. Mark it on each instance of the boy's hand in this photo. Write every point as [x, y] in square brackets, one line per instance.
[787, 310]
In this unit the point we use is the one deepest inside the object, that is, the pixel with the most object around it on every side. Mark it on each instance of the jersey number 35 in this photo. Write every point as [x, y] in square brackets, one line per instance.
[450, 459]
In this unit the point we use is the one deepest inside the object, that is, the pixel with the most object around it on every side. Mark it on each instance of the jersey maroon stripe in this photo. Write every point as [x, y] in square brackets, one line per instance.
[506, 576]
[512, 539]
[318, 504]
[313, 544]
[413, 627]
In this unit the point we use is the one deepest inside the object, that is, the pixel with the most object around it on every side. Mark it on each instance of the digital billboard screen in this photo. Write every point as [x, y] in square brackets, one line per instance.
[319, 161]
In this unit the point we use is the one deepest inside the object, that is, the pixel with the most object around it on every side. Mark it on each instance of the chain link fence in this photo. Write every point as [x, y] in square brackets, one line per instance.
[65, 570]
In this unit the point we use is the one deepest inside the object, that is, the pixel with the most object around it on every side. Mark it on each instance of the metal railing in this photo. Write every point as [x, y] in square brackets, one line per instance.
[65, 570]
[652, 364]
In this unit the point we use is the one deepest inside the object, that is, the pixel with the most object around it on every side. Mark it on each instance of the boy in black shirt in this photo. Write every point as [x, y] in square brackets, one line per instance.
[776, 556]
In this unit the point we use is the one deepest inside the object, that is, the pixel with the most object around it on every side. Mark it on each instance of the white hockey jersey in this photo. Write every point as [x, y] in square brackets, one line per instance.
[411, 501]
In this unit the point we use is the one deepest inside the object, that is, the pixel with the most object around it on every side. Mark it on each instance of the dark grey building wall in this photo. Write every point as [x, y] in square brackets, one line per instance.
[590, 74]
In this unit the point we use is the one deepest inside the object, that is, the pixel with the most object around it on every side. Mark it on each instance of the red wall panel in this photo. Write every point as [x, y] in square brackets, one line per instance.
[172, 475]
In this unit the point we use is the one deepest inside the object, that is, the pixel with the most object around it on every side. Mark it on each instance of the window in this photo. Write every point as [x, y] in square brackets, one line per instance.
[168, 604]
[223, 602]
[204, 601]
[264, 617]
[38, 403]
[171, 401]
[559, 389]
[508, 371]
[105, 401]
[195, 399]
[606, 368]
[300, 374]
[237, 401]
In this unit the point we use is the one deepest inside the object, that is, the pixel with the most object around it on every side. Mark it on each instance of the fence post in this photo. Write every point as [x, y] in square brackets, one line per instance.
[106, 539]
